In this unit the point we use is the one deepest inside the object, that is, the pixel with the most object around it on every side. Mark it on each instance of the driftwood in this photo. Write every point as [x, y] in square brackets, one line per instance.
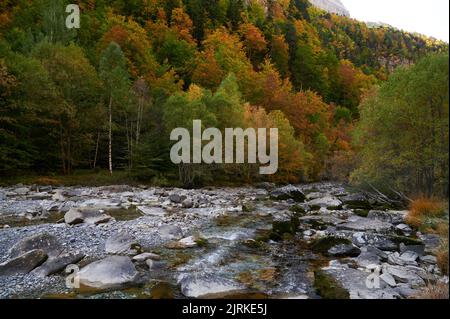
[400, 200]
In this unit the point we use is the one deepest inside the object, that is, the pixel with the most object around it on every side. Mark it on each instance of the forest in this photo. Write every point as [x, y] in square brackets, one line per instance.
[351, 102]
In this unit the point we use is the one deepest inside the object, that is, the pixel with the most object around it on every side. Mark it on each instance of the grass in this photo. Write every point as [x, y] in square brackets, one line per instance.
[435, 291]
[425, 212]
[430, 215]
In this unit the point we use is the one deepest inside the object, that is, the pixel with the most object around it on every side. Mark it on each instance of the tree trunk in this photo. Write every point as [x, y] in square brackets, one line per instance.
[110, 136]
[96, 149]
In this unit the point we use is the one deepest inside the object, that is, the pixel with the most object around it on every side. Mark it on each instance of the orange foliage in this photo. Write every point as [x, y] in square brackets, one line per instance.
[421, 208]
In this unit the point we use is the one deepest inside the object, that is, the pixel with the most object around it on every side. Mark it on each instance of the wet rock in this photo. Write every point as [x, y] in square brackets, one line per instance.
[208, 285]
[57, 264]
[344, 251]
[89, 216]
[357, 223]
[110, 273]
[288, 192]
[156, 265]
[328, 202]
[144, 256]
[43, 241]
[121, 243]
[187, 242]
[177, 199]
[23, 263]
[324, 244]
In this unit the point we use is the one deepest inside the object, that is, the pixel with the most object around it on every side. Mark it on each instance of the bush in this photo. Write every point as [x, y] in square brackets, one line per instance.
[437, 291]
[423, 210]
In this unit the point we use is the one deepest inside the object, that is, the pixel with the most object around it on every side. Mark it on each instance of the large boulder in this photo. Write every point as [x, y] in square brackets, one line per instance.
[377, 240]
[370, 255]
[176, 198]
[56, 264]
[329, 202]
[121, 244]
[89, 216]
[170, 232]
[43, 241]
[24, 263]
[110, 273]
[288, 192]
[209, 285]
[356, 201]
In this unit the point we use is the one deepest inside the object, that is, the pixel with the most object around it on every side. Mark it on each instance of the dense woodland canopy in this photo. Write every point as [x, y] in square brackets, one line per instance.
[106, 96]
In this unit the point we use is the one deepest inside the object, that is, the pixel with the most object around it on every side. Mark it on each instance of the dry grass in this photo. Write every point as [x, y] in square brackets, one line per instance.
[423, 209]
[437, 291]
[442, 257]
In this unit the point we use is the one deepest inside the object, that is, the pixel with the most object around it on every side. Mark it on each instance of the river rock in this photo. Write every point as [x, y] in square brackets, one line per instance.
[288, 192]
[328, 202]
[369, 239]
[88, 216]
[343, 250]
[391, 216]
[197, 286]
[144, 256]
[121, 243]
[170, 232]
[2, 196]
[110, 273]
[389, 279]
[156, 265]
[56, 264]
[187, 203]
[43, 241]
[21, 190]
[24, 263]
[176, 198]
[356, 223]
[151, 211]
[356, 201]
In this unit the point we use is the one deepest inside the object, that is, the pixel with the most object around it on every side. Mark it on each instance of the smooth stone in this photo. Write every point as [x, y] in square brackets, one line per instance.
[120, 243]
[187, 203]
[43, 241]
[177, 199]
[389, 279]
[56, 264]
[429, 259]
[151, 211]
[197, 286]
[144, 256]
[170, 232]
[24, 263]
[109, 273]
[326, 202]
[156, 265]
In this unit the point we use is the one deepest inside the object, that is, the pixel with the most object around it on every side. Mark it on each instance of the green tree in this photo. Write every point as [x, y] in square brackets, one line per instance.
[403, 132]
[116, 80]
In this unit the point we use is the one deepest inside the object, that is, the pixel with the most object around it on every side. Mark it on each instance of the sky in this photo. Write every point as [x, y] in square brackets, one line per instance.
[428, 17]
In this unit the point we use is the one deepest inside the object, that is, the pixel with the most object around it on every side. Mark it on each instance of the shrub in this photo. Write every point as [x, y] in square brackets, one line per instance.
[423, 209]
[442, 257]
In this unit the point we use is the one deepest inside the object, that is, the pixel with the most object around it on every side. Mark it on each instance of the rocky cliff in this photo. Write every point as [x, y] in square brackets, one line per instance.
[332, 6]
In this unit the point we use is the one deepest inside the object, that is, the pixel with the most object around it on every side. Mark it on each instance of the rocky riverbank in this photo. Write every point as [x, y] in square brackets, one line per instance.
[307, 241]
